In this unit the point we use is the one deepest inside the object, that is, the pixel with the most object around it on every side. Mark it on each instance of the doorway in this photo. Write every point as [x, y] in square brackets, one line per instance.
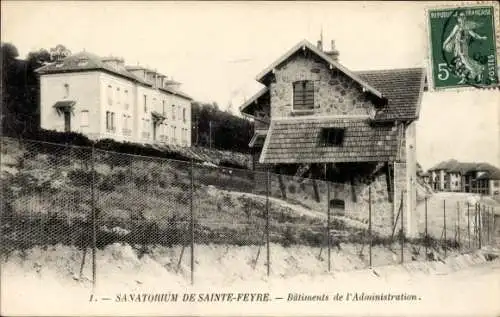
[67, 121]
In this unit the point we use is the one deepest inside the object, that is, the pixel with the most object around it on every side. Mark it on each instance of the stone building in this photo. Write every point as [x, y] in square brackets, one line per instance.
[356, 126]
[101, 97]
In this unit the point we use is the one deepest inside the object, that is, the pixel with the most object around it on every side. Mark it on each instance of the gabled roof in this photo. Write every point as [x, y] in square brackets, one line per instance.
[304, 44]
[85, 61]
[291, 141]
[454, 166]
[253, 99]
[402, 87]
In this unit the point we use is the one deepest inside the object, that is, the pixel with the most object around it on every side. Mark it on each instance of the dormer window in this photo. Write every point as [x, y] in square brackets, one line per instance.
[303, 95]
[331, 137]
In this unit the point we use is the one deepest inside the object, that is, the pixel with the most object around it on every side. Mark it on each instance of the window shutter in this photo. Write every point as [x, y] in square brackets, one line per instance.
[303, 95]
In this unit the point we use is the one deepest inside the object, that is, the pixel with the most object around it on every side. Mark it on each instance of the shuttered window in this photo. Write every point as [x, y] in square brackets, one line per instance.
[303, 95]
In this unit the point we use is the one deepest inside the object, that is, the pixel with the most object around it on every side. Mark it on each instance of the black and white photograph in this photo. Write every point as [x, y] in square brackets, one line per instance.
[284, 158]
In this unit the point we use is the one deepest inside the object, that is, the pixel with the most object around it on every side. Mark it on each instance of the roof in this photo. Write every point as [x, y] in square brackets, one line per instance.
[258, 139]
[176, 92]
[402, 87]
[74, 63]
[454, 166]
[304, 44]
[295, 140]
[244, 107]
[64, 104]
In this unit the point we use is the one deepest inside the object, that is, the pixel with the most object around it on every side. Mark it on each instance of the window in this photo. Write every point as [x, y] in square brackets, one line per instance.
[145, 103]
[66, 91]
[184, 115]
[163, 108]
[173, 112]
[110, 121]
[125, 122]
[118, 95]
[331, 137]
[496, 183]
[338, 206]
[110, 95]
[126, 99]
[84, 118]
[303, 95]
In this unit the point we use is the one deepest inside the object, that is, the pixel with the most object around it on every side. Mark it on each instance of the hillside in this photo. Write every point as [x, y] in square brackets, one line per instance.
[49, 201]
[147, 202]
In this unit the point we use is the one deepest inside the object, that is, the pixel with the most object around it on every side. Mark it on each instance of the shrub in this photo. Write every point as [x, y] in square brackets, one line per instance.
[289, 236]
[80, 177]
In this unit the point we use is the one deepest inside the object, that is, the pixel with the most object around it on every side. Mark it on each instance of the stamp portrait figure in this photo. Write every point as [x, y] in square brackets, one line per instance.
[457, 43]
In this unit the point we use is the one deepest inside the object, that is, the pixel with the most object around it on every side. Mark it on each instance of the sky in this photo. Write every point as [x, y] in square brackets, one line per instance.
[217, 48]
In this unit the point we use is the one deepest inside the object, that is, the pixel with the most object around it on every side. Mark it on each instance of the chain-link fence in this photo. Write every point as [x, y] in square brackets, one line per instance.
[90, 198]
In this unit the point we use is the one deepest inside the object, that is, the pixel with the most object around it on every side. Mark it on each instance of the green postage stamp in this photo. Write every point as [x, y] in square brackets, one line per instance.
[463, 47]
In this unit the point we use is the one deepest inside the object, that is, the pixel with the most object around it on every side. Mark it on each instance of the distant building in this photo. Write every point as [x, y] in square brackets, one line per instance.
[455, 176]
[103, 98]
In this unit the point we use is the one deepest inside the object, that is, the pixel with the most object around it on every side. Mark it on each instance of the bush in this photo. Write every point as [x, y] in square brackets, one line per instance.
[80, 177]
[289, 236]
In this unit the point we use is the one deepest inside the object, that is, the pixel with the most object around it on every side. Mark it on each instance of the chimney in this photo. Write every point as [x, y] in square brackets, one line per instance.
[333, 53]
[320, 45]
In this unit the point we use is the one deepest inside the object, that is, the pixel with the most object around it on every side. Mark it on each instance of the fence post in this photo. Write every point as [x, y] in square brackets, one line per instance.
[402, 231]
[191, 209]
[444, 225]
[426, 237]
[494, 224]
[94, 220]
[468, 222]
[267, 226]
[488, 223]
[458, 225]
[370, 221]
[328, 219]
[479, 224]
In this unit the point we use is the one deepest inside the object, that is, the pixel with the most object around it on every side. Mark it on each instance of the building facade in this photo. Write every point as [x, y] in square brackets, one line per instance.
[357, 126]
[455, 176]
[103, 98]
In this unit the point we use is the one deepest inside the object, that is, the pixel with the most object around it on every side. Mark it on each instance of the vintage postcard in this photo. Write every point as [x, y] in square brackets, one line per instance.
[250, 158]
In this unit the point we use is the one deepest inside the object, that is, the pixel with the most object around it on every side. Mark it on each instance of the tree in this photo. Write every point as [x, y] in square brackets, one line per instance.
[20, 87]
[228, 132]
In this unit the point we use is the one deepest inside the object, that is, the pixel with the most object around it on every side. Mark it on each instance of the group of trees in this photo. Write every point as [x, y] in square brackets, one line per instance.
[219, 129]
[20, 116]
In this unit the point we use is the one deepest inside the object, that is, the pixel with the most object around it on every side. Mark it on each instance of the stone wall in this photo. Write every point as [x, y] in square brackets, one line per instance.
[355, 197]
[334, 92]
[381, 207]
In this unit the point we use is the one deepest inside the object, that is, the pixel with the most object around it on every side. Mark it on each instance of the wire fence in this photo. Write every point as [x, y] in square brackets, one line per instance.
[91, 198]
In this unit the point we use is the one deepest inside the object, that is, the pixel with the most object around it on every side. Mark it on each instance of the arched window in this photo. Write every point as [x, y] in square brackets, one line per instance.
[184, 115]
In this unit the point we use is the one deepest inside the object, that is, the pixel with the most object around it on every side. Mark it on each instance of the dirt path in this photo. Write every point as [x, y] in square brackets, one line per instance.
[298, 209]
